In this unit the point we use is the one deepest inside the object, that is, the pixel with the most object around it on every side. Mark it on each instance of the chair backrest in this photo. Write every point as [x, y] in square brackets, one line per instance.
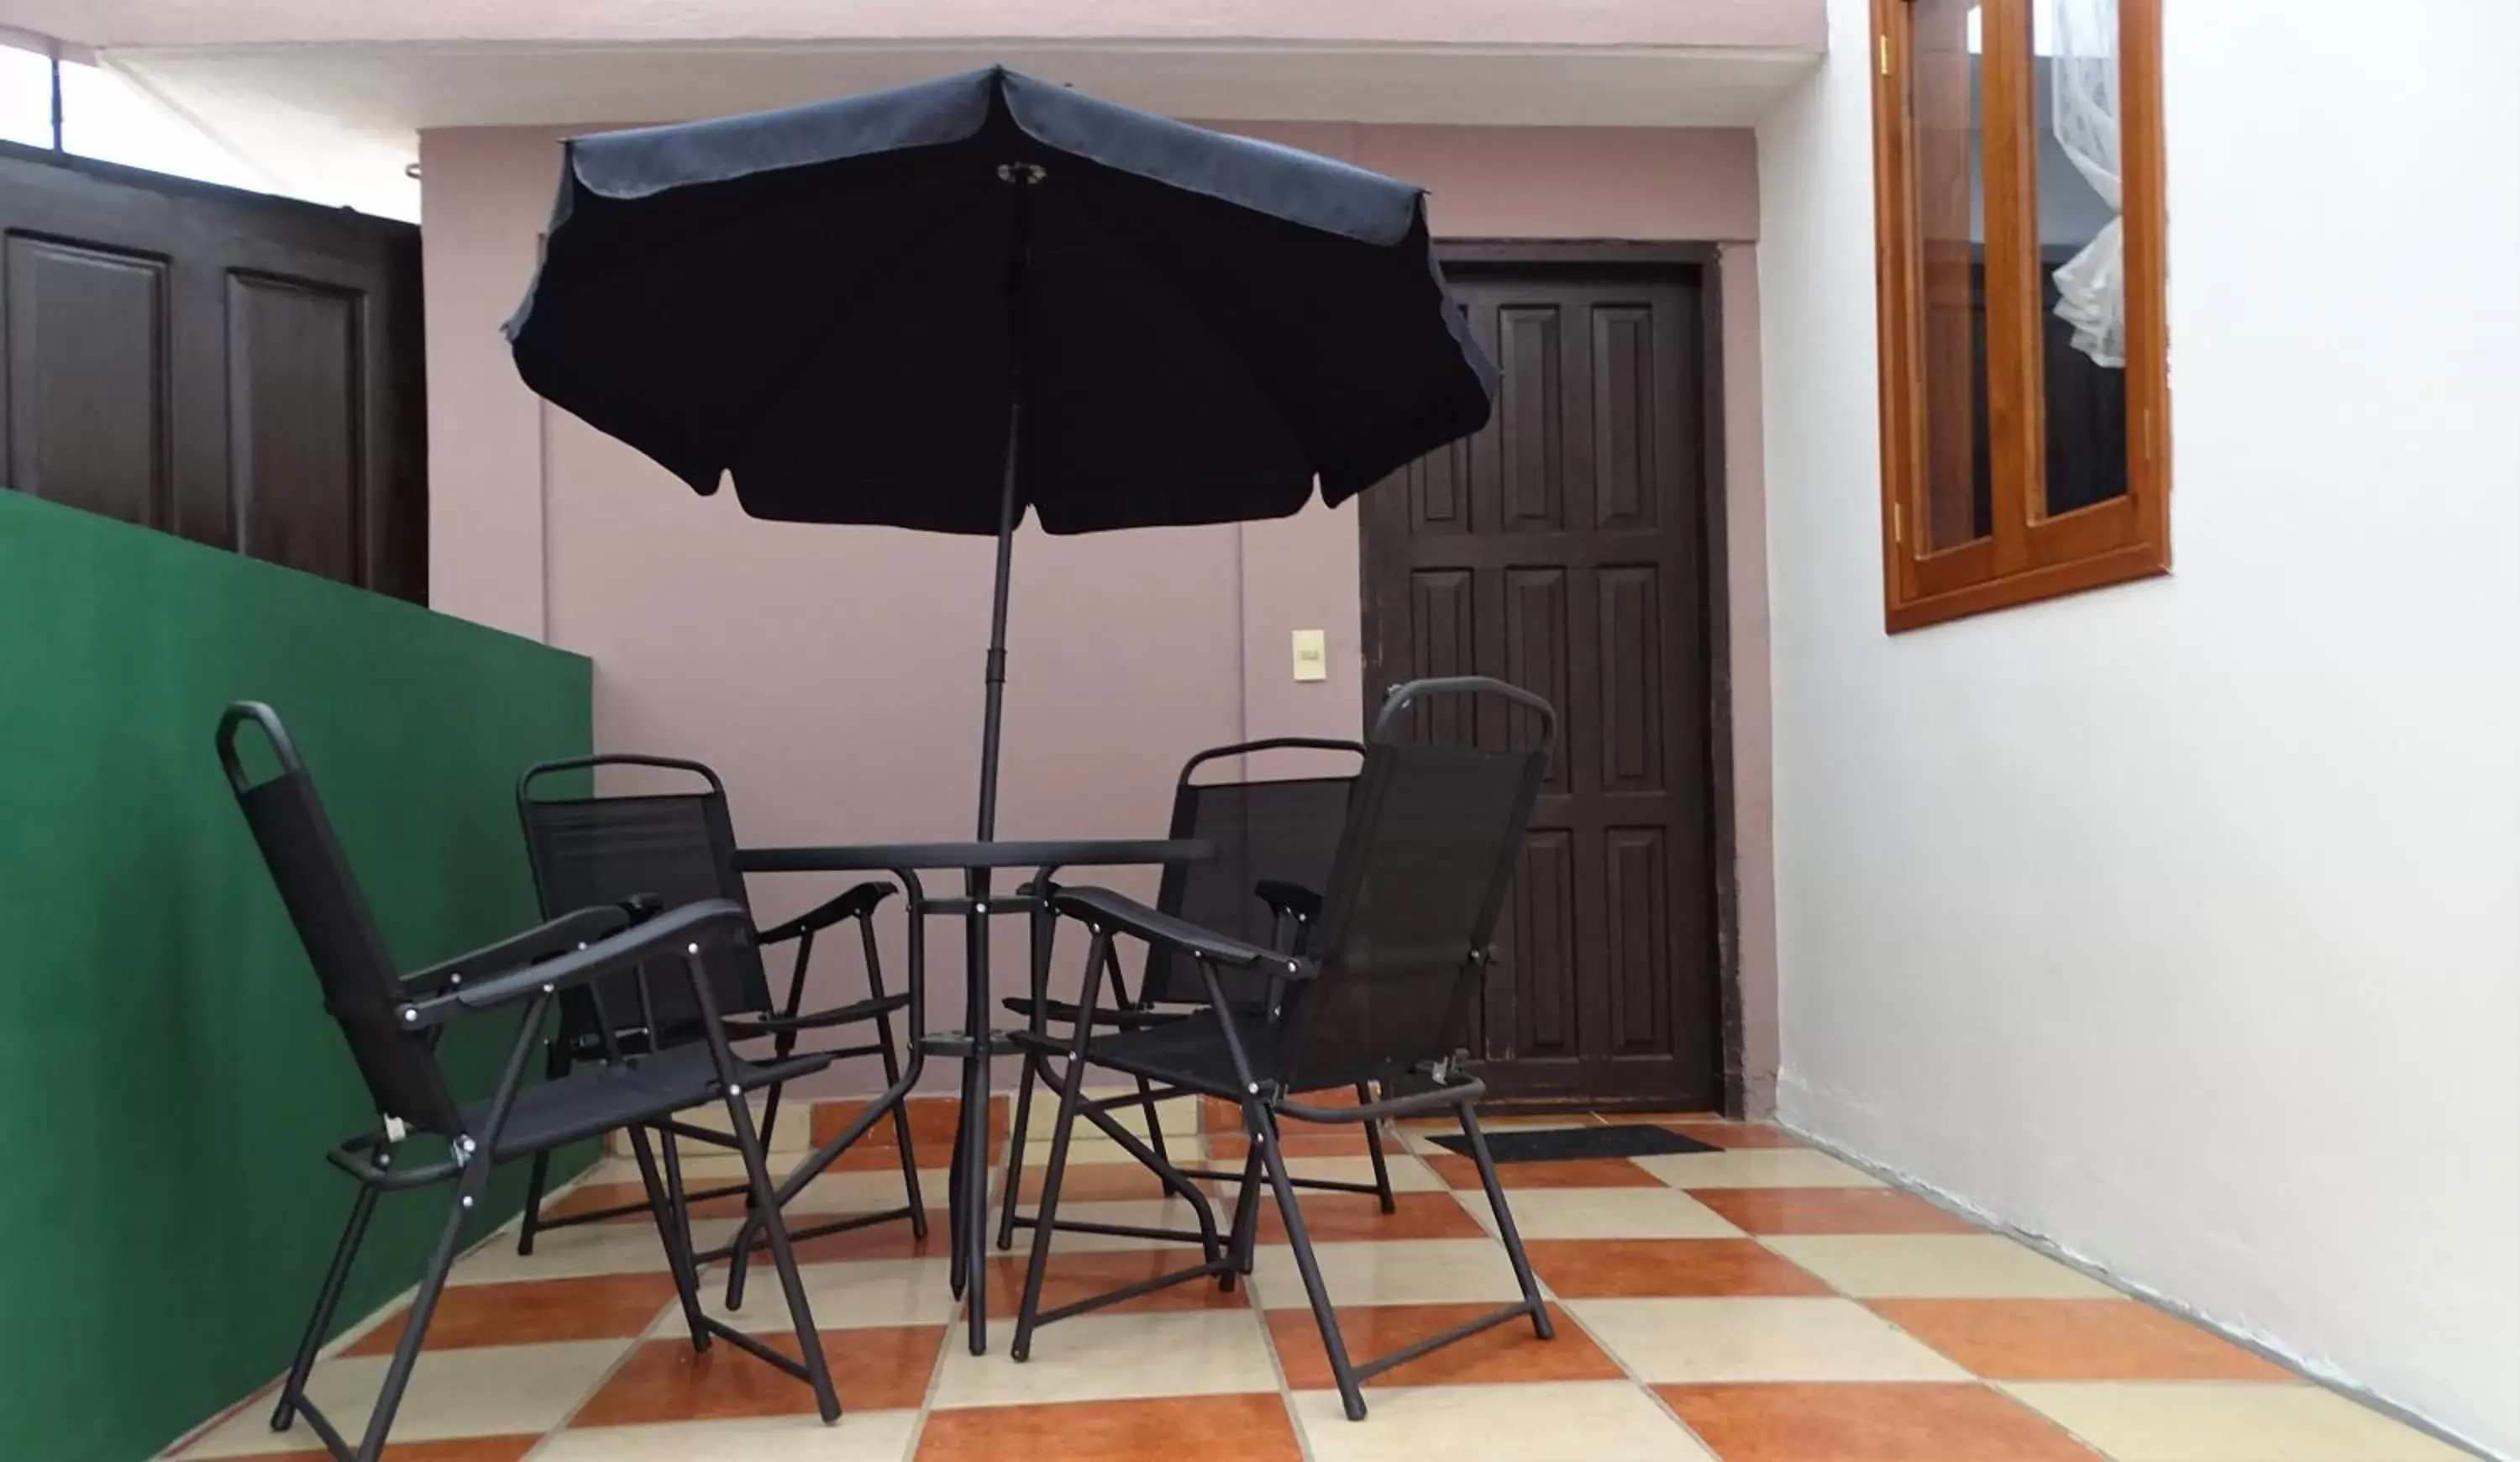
[1429, 849]
[1285, 829]
[677, 847]
[362, 990]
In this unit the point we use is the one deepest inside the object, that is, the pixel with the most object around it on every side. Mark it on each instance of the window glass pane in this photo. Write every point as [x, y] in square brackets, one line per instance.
[1945, 108]
[2083, 261]
[25, 97]
[107, 118]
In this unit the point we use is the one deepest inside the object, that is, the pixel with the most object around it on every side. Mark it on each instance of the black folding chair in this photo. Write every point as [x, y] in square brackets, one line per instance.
[652, 848]
[1432, 837]
[1275, 840]
[393, 1024]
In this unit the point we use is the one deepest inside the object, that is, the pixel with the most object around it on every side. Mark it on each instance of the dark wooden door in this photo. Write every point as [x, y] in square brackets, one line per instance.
[239, 369]
[1563, 549]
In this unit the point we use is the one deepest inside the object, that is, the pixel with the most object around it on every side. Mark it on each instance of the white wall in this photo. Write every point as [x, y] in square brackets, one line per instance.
[2181, 922]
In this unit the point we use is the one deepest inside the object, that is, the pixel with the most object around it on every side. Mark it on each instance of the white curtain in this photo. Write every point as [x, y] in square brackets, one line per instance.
[2092, 283]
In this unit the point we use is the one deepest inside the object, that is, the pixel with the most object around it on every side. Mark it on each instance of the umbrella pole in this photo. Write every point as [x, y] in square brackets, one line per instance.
[969, 1185]
[1022, 177]
[994, 705]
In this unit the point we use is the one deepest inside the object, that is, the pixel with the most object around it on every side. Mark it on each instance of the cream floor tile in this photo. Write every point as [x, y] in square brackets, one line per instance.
[1421, 1140]
[1936, 1266]
[860, 1436]
[1087, 1146]
[493, 1392]
[865, 1192]
[1111, 1357]
[1444, 1124]
[1539, 1422]
[1705, 1341]
[1410, 1271]
[1179, 1118]
[587, 1249]
[1142, 1213]
[1406, 1170]
[611, 1168]
[2227, 1422]
[793, 1136]
[1757, 1167]
[248, 1433]
[855, 1295]
[1408, 1173]
[701, 1164]
[1603, 1214]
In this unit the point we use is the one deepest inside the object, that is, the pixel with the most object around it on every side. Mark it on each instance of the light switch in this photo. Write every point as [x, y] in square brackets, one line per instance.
[1312, 656]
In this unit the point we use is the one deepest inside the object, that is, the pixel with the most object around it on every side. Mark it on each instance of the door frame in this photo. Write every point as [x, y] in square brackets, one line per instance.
[1701, 264]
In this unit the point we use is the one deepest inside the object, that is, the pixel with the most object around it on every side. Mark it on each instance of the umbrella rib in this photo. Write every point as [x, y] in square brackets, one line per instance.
[839, 310]
[1232, 351]
[777, 397]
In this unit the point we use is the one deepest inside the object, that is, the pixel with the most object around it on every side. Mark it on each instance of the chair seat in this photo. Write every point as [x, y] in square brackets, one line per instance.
[1065, 1012]
[1190, 1054]
[756, 1027]
[745, 1025]
[594, 1100]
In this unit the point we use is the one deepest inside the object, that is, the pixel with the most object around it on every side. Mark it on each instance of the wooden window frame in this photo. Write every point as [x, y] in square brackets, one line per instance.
[2030, 555]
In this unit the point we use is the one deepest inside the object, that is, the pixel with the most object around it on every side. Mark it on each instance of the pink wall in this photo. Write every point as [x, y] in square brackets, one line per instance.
[834, 674]
[1768, 24]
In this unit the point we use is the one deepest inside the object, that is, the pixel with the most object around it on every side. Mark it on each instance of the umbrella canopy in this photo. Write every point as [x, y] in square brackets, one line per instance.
[857, 308]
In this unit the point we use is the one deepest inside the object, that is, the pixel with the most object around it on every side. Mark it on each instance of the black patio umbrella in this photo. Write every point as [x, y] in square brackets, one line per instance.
[948, 304]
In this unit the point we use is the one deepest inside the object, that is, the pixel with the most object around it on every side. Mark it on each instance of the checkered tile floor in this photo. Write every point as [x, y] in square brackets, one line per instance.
[1761, 1303]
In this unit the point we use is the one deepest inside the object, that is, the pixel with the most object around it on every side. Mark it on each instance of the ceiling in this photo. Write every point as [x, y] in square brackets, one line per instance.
[341, 119]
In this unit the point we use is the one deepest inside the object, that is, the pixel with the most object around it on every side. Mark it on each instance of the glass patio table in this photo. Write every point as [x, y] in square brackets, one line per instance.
[967, 1196]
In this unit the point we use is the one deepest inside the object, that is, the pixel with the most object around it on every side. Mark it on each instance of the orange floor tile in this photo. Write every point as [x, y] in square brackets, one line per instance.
[1715, 1346]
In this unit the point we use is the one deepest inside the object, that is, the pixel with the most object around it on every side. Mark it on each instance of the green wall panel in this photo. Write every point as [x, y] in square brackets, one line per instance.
[168, 1080]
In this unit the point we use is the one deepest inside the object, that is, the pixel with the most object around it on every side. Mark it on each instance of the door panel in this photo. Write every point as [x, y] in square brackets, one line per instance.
[241, 370]
[293, 405]
[86, 365]
[1562, 549]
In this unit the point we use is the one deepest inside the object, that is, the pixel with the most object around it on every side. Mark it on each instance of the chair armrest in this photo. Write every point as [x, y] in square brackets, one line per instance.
[859, 900]
[714, 923]
[1105, 909]
[559, 936]
[1284, 898]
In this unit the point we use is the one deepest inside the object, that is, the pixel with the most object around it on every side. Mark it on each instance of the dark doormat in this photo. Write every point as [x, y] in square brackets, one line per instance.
[1561, 1144]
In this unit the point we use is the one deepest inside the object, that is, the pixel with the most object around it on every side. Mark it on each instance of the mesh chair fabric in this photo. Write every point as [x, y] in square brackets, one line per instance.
[361, 989]
[678, 848]
[1286, 830]
[1420, 881]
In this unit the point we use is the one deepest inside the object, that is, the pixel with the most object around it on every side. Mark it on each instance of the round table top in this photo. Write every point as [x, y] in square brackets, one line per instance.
[1033, 852]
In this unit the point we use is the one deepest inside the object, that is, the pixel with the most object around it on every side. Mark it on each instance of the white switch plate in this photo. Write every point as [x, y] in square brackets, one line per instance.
[1312, 656]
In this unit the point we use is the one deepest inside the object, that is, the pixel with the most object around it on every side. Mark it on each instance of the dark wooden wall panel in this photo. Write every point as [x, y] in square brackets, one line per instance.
[1441, 607]
[1438, 486]
[1625, 497]
[240, 370]
[1542, 951]
[1537, 649]
[1531, 418]
[1636, 893]
[1563, 548]
[295, 461]
[86, 362]
[1633, 693]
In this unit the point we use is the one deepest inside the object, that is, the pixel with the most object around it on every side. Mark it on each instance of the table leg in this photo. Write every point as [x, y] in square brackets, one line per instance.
[971, 1222]
[958, 1255]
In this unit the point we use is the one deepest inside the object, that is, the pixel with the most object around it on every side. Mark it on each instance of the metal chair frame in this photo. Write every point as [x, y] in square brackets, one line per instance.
[1262, 1089]
[526, 972]
[1292, 910]
[593, 1038]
